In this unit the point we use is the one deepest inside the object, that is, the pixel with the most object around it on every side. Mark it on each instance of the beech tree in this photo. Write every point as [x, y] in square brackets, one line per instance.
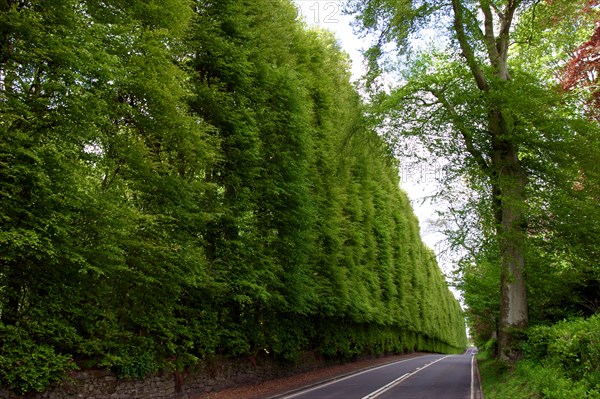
[583, 71]
[183, 179]
[562, 273]
[474, 102]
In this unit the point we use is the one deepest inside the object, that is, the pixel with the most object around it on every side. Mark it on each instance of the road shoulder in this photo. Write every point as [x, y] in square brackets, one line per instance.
[476, 390]
[273, 389]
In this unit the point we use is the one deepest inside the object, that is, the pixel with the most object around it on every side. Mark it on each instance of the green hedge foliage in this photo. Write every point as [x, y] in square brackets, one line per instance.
[182, 180]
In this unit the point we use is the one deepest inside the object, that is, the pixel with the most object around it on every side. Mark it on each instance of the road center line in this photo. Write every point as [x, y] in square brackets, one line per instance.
[348, 377]
[389, 386]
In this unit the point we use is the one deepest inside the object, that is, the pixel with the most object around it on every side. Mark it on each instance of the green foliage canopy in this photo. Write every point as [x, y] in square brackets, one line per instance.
[521, 157]
[181, 180]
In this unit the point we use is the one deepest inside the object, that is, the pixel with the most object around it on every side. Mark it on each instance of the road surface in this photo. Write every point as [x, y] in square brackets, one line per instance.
[423, 377]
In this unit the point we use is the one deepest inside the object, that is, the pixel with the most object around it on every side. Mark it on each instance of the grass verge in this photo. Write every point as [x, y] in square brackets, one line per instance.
[529, 379]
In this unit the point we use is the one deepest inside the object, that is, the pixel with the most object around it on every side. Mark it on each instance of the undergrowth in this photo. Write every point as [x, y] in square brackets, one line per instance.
[561, 362]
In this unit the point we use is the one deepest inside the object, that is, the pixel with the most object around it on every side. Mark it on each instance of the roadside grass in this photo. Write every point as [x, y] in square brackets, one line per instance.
[528, 380]
[562, 361]
[499, 382]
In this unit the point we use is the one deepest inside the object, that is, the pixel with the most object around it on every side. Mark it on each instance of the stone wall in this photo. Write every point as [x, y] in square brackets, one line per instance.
[209, 376]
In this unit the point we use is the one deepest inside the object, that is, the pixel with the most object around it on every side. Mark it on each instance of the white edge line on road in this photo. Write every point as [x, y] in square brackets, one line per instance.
[350, 376]
[472, 375]
[389, 386]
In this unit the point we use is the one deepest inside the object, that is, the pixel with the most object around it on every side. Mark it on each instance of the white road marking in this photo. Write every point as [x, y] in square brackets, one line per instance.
[384, 388]
[348, 377]
[389, 386]
[475, 390]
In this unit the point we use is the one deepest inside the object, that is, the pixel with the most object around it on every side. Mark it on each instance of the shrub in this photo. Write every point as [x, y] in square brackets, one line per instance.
[573, 346]
[562, 362]
[27, 365]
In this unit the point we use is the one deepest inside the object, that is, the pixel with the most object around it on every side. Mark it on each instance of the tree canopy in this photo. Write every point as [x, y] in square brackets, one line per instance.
[518, 149]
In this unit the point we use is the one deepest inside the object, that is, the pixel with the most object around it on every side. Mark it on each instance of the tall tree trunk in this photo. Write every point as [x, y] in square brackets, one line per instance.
[508, 177]
[509, 207]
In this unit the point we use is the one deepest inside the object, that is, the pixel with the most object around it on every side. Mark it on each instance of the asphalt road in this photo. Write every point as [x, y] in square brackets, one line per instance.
[423, 377]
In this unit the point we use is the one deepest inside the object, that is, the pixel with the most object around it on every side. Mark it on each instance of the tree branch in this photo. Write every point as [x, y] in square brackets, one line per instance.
[489, 37]
[467, 51]
[458, 122]
[475, 25]
[497, 10]
[503, 40]
[421, 100]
